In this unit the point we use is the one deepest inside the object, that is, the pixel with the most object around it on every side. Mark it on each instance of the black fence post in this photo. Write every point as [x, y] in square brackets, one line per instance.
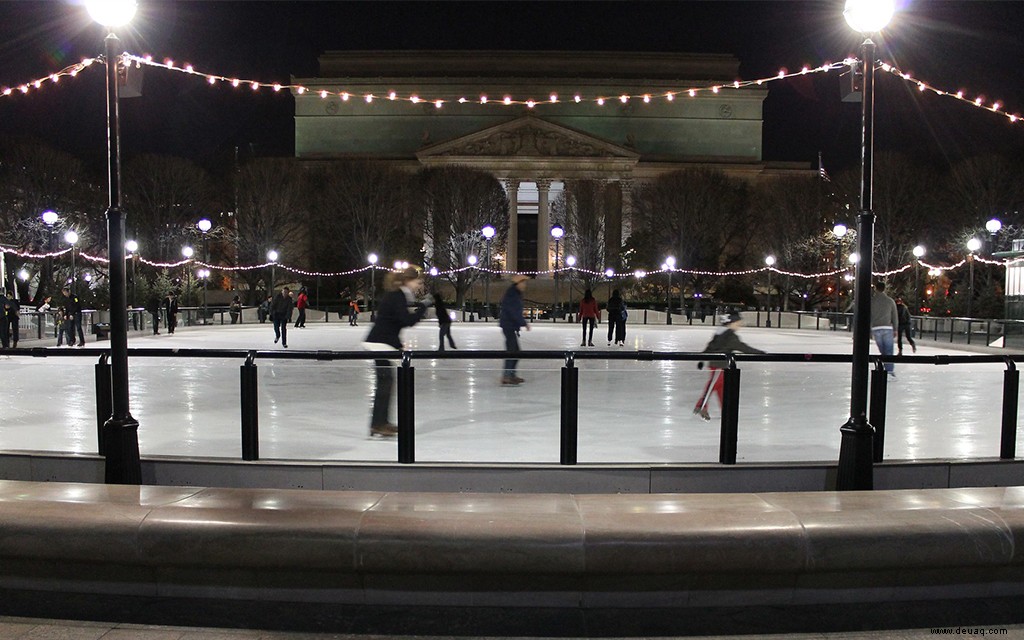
[104, 400]
[569, 422]
[730, 413]
[876, 410]
[406, 410]
[1008, 435]
[250, 410]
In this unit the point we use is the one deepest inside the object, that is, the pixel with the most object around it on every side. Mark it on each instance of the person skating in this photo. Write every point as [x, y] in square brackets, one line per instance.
[725, 340]
[511, 320]
[398, 309]
[885, 323]
[617, 315]
[444, 323]
[281, 315]
[906, 327]
[153, 307]
[590, 316]
[301, 303]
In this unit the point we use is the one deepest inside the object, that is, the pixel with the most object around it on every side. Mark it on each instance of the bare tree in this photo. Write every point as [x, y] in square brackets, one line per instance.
[701, 215]
[580, 208]
[272, 214]
[458, 202]
[164, 198]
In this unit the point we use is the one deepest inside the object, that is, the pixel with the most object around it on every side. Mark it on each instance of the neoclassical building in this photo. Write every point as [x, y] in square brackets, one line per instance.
[534, 149]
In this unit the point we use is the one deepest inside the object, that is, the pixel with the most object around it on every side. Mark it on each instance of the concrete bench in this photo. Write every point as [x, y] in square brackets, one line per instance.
[519, 550]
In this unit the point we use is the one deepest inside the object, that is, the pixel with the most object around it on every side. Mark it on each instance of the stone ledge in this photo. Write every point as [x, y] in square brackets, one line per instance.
[464, 549]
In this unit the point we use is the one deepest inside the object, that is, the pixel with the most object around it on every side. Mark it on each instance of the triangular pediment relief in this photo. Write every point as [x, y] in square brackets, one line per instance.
[528, 137]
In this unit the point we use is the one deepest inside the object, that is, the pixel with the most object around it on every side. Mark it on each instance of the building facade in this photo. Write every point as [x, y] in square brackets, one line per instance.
[517, 116]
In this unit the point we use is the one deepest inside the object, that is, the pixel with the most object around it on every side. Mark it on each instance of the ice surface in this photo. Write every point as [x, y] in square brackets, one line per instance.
[630, 412]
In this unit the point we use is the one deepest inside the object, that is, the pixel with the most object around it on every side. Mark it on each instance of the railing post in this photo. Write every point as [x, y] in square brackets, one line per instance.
[406, 410]
[104, 400]
[730, 413]
[250, 410]
[1008, 435]
[569, 422]
[876, 410]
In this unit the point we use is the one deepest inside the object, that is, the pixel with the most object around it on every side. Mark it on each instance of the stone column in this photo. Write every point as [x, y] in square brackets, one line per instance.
[627, 208]
[512, 250]
[543, 225]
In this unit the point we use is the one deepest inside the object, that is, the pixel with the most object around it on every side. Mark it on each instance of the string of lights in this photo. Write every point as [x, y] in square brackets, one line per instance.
[979, 101]
[609, 274]
[482, 99]
[37, 84]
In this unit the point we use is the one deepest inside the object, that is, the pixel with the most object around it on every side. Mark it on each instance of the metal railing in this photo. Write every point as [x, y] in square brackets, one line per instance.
[570, 386]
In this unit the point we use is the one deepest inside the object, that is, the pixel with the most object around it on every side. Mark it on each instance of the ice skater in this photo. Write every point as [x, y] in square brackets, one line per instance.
[398, 309]
[725, 340]
[511, 320]
[885, 323]
[301, 304]
[444, 323]
[590, 316]
[281, 315]
[906, 327]
[617, 315]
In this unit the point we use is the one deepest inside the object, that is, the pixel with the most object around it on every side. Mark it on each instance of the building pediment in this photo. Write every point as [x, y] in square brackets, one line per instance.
[527, 137]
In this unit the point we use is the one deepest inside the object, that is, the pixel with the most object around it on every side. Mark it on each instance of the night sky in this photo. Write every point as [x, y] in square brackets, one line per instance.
[975, 46]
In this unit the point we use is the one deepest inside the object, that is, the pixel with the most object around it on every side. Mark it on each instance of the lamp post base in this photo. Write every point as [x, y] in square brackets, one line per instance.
[121, 448]
[856, 456]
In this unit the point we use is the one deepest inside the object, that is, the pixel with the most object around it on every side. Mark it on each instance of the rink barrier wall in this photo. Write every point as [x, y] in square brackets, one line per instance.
[568, 427]
[583, 552]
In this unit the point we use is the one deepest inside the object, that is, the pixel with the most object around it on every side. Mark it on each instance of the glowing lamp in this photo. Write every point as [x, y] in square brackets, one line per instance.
[869, 16]
[50, 218]
[204, 225]
[973, 245]
[839, 230]
[273, 255]
[111, 13]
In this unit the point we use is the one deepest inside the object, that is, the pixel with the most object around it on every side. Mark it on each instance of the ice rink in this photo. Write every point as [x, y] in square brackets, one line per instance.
[630, 411]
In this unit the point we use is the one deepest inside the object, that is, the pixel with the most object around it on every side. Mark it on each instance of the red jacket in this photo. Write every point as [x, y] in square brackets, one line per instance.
[589, 309]
[303, 301]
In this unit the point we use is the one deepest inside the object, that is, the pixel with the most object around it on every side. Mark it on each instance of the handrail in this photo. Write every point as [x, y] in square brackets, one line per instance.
[569, 415]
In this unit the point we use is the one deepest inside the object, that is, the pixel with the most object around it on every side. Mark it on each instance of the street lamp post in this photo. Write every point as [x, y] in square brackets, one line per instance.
[71, 238]
[188, 252]
[272, 256]
[855, 471]
[204, 226]
[132, 248]
[608, 273]
[557, 232]
[570, 262]
[488, 232]
[973, 245]
[770, 262]
[50, 218]
[669, 266]
[372, 259]
[471, 261]
[120, 443]
[839, 231]
[918, 254]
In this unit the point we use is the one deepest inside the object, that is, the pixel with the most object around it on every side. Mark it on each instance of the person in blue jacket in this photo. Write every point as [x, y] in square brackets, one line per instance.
[511, 320]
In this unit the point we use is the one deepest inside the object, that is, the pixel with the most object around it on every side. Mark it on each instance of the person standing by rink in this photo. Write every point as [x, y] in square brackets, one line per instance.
[281, 315]
[235, 310]
[153, 307]
[73, 310]
[398, 309]
[5, 326]
[444, 322]
[885, 322]
[14, 316]
[616, 309]
[906, 326]
[510, 320]
[301, 304]
[171, 309]
[590, 315]
[725, 340]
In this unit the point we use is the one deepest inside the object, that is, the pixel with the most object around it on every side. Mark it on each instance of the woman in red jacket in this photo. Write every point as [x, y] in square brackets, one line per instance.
[301, 304]
[589, 315]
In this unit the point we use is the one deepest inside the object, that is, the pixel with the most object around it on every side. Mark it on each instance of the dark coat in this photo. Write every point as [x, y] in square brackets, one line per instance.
[727, 341]
[511, 315]
[614, 309]
[442, 312]
[394, 314]
[281, 307]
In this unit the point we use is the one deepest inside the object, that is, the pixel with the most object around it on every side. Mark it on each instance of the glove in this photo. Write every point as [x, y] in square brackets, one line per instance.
[700, 365]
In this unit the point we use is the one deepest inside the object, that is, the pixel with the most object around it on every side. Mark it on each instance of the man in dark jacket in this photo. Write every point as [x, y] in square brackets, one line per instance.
[510, 320]
[725, 340]
[5, 326]
[13, 316]
[398, 309]
[281, 315]
[171, 307]
[73, 311]
[906, 327]
[153, 307]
